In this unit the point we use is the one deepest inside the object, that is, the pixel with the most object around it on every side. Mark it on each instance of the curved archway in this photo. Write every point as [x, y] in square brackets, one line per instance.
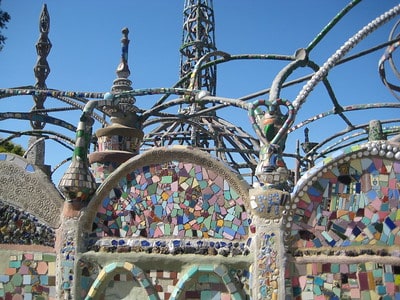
[197, 270]
[109, 271]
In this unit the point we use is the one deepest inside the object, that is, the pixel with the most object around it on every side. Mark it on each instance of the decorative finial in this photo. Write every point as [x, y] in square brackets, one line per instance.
[122, 83]
[306, 138]
[123, 68]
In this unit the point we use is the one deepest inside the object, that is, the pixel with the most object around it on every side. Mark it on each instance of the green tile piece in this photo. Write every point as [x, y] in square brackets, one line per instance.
[16, 279]
[49, 257]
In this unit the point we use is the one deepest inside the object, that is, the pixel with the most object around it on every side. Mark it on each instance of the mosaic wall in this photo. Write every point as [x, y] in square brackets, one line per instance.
[172, 199]
[346, 210]
[363, 281]
[28, 276]
[120, 280]
[19, 227]
[364, 212]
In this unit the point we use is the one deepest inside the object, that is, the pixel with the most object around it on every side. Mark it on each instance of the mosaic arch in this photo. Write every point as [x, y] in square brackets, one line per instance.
[108, 273]
[177, 191]
[343, 226]
[205, 274]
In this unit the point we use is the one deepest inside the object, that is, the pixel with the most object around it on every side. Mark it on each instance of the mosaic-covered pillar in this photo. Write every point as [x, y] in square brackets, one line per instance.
[115, 144]
[268, 199]
[267, 207]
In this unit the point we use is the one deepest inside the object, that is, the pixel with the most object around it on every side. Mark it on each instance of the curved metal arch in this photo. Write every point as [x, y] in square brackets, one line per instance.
[81, 107]
[224, 59]
[176, 120]
[349, 129]
[212, 99]
[57, 139]
[349, 44]
[345, 108]
[31, 116]
[68, 100]
[37, 132]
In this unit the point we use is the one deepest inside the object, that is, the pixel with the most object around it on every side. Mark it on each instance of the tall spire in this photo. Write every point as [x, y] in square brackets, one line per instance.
[122, 83]
[198, 40]
[43, 47]
[41, 70]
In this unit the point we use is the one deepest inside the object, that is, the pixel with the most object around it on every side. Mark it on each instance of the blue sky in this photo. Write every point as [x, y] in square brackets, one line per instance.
[86, 51]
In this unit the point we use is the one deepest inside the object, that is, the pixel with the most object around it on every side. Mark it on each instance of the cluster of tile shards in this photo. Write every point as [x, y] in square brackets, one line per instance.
[175, 246]
[173, 199]
[19, 227]
[268, 268]
[361, 281]
[216, 289]
[364, 211]
[67, 260]
[101, 171]
[117, 142]
[29, 276]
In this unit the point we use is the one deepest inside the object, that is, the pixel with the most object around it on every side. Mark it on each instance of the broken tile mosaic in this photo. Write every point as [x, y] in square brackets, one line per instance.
[344, 281]
[363, 212]
[29, 276]
[20, 227]
[173, 199]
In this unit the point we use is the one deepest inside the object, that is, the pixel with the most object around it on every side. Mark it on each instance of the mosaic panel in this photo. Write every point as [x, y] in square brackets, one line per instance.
[364, 281]
[29, 276]
[19, 227]
[165, 282]
[364, 210]
[172, 199]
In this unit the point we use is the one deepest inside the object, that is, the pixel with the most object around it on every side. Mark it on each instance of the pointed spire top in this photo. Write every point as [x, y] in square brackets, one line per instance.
[44, 24]
[42, 68]
[123, 68]
[122, 83]
[43, 47]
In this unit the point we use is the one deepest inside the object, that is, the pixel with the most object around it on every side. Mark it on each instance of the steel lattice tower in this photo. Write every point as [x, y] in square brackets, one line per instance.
[197, 124]
[198, 40]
